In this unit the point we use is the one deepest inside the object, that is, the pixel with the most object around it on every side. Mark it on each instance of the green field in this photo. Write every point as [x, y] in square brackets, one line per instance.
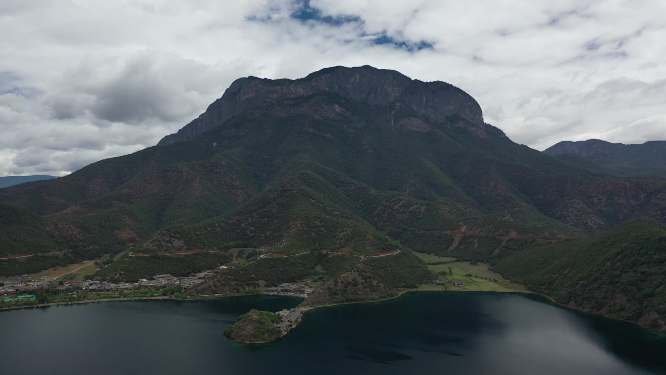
[474, 277]
[70, 272]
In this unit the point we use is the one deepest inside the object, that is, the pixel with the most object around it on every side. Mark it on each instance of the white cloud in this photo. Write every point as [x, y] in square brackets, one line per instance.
[652, 128]
[144, 85]
[81, 81]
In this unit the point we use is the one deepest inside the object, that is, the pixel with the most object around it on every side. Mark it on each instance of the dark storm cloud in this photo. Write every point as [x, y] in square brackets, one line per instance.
[145, 86]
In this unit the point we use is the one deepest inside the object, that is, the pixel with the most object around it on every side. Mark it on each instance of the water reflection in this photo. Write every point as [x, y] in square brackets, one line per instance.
[419, 333]
[535, 334]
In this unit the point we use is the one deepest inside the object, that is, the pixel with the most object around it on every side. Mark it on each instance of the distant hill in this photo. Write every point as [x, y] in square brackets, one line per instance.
[625, 160]
[15, 180]
[618, 273]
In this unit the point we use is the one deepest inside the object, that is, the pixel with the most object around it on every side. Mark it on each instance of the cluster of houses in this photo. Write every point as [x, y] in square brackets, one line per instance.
[26, 284]
[167, 281]
[288, 289]
[289, 319]
[454, 282]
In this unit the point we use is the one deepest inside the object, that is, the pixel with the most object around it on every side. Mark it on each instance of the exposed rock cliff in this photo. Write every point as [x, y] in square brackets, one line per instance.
[376, 87]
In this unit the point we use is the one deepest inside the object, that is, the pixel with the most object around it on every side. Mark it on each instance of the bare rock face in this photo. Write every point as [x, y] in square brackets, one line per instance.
[377, 87]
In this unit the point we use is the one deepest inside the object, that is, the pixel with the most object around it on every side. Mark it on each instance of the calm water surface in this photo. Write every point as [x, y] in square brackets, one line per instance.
[419, 333]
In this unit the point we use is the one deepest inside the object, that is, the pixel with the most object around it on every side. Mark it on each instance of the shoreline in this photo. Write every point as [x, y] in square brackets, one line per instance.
[127, 299]
[405, 291]
[309, 308]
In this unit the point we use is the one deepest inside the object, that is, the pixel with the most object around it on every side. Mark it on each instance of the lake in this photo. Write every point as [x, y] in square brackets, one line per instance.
[418, 333]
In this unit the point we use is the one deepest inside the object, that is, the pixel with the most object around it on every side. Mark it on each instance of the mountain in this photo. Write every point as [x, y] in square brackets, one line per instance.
[337, 176]
[618, 273]
[366, 85]
[15, 180]
[633, 160]
[356, 160]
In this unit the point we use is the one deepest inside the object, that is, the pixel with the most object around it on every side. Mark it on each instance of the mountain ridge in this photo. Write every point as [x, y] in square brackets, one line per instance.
[623, 160]
[435, 100]
[597, 149]
[282, 171]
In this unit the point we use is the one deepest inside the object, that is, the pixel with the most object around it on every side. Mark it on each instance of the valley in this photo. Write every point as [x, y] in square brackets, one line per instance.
[474, 277]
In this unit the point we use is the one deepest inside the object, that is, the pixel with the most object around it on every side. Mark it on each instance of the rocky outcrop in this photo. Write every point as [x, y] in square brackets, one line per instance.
[377, 87]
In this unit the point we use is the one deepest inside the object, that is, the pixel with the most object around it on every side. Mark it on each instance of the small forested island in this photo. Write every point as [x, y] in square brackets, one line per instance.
[260, 327]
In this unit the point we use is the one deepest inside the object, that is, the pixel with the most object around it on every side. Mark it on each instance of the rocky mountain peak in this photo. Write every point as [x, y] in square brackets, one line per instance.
[376, 87]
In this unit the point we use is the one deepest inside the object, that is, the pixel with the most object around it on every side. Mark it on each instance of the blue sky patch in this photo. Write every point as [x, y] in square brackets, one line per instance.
[12, 83]
[308, 13]
[402, 44]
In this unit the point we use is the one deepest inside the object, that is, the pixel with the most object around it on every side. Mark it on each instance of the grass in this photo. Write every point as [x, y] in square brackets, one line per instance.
[73, 271]
[475, 277]
[82, 272]
[433, 258]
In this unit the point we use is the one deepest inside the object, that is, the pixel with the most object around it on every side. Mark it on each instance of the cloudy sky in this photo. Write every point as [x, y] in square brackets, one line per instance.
[85, 80]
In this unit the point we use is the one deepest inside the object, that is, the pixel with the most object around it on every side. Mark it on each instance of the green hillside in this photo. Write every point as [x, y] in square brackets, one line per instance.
[357, 161]
[619, 273]
[255, 327]
[22, 232]
[362, 179]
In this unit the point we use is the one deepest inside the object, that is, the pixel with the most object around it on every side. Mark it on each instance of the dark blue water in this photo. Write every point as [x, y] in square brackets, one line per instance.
[419, 333]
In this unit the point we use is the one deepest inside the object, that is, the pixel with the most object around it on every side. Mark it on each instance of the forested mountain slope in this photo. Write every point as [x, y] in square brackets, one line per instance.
[619, 273]
[351, 158]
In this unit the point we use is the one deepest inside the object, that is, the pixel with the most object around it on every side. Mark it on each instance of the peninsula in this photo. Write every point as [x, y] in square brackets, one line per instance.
[260, 327]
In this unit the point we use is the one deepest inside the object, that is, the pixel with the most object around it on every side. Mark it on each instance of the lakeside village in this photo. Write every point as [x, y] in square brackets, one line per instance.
[288, 319]
[21, 291]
